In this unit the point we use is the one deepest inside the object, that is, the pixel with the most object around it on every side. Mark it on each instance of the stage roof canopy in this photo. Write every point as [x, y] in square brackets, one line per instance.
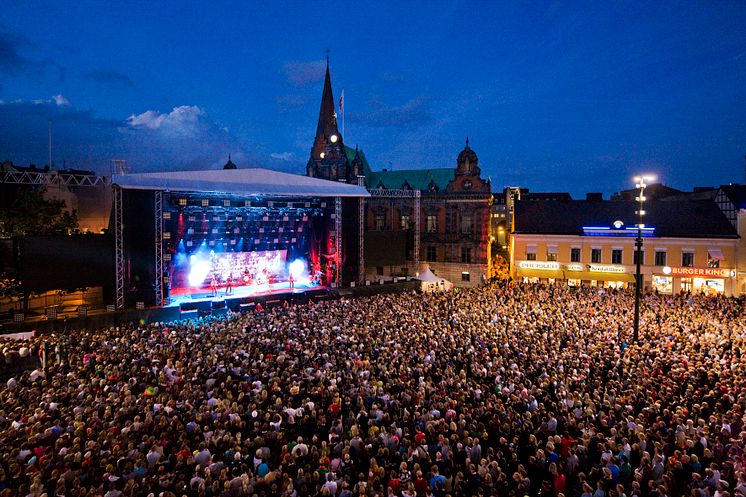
[252, 181]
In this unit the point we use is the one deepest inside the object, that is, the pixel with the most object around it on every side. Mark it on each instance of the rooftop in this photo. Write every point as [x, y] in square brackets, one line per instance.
[677, 219]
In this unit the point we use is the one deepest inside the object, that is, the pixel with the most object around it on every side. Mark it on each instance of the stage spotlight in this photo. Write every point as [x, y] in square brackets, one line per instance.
[297, 268]
[198, 272]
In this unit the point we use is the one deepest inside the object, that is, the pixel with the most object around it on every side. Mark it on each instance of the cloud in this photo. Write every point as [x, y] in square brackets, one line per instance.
[109, 77]
[10, 57]
[284, 156]
[414, 112]
[183, 138]
[302, 74]
[61, 100]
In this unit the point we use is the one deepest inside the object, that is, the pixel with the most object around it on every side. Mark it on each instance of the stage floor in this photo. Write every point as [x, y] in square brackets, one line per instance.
[242, 292]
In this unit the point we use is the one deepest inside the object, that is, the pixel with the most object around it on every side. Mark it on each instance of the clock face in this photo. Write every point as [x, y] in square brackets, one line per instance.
[467, 184]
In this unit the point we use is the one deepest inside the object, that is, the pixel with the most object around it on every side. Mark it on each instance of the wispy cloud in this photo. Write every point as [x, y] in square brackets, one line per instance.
[414, 112]
[283, 156]
[61, 100]
[108, 76]
[304, 73]
[183, 138]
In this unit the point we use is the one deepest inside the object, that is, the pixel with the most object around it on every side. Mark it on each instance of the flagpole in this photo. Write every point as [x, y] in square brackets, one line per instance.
[343, 116]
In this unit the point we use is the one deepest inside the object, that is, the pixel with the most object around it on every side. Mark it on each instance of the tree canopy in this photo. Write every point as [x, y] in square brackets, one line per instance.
[32, 214]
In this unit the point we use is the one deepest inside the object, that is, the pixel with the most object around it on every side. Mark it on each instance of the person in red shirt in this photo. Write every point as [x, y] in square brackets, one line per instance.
[420, 485]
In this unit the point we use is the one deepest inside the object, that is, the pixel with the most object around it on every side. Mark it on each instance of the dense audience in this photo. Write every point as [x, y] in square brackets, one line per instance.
[512, 391]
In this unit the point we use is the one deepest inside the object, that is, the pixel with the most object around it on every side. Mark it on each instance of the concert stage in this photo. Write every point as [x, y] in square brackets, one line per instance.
[245, 293]
[182, 238]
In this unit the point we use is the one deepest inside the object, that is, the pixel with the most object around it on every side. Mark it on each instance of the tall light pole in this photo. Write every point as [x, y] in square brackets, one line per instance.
[640, 184]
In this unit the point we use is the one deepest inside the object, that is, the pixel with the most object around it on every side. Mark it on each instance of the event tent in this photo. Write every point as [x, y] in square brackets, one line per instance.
[432, 283]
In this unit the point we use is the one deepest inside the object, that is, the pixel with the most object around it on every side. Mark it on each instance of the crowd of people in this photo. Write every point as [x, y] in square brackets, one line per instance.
[512, 390]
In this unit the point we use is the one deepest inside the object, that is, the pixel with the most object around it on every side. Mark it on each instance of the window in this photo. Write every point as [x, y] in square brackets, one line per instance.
[642, 257]
[616, 256]
[226, 203]
[575, 254]
[687, 259]
[531, 253]
[182, 202]
[466, 255]
[596, 256]
[205, 202]
[552, 253]
[405, 221]
[465, 276]
[714, 257]
[432, 224]
[660, 257]
[380, 221]
[432, 253]
[465, 224]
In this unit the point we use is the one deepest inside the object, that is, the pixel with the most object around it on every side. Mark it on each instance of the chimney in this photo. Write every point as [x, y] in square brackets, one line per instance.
[594, 197]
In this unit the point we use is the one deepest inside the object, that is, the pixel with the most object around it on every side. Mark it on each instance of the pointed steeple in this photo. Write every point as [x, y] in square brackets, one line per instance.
[328, 158]
[229, 164]
[327, 125]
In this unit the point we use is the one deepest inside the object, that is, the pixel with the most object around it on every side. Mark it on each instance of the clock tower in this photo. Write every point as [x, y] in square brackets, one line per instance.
[468, 176]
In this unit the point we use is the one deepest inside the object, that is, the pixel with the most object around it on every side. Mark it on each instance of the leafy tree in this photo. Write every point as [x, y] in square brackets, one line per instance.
[9, 286]
[32, 214]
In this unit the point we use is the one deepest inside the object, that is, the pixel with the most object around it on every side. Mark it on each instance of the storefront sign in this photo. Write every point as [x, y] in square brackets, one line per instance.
[603, 268]
[547, 265]
[574, 267]
[706, 272]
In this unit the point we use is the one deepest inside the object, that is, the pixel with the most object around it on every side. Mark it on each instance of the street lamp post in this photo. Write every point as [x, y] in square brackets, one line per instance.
[640, 185]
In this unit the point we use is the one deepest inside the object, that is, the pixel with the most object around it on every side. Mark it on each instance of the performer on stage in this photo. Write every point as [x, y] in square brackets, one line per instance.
[229, 284]
[291, 281]
[214, 286]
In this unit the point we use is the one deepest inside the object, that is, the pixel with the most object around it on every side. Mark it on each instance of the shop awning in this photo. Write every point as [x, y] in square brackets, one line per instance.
[598, 276]
[715, 254]
[557, 274]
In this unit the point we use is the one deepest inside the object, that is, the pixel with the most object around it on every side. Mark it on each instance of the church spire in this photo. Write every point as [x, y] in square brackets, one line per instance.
[328, 155]
[327, 125]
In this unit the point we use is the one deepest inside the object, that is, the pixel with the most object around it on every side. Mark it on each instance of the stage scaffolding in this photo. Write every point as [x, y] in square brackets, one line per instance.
[361, 233]
[53, 178]
[158, 248]
[118, 247]
[400, 193]
[338, 239]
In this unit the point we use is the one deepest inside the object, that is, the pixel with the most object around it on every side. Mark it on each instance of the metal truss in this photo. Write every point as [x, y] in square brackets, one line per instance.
[158, 248]
[338, 238]
[413, 194]
[53, 178]
[118, 247]
[361, 234]
[417, 226]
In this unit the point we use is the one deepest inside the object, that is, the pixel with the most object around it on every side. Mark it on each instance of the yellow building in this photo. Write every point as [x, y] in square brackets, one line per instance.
[688, 246]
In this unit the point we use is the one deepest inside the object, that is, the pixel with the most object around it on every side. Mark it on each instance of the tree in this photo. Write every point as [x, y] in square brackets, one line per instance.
[32, 214]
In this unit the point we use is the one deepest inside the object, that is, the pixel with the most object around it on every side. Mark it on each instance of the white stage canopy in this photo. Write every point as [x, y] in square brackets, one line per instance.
[252, 181]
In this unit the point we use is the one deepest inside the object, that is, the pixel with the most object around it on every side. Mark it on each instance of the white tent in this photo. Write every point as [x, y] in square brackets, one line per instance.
[432, 283]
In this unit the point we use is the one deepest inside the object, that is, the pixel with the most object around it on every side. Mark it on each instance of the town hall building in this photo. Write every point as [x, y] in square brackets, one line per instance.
[453, 216]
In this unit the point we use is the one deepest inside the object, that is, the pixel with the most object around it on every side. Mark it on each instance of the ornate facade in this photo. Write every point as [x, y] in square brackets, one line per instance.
[454, 231]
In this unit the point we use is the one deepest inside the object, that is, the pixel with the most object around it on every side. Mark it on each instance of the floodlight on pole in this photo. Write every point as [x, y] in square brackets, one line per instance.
[641, 182]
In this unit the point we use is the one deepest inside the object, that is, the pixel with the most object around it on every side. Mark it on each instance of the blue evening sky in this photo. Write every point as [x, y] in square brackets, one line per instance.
[561, 96]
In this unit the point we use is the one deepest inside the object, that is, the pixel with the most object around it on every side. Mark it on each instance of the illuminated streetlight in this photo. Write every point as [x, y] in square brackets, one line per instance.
[640, 183]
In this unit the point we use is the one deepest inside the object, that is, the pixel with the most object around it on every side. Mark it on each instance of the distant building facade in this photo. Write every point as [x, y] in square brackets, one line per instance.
[454, 231]
[689, 246]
